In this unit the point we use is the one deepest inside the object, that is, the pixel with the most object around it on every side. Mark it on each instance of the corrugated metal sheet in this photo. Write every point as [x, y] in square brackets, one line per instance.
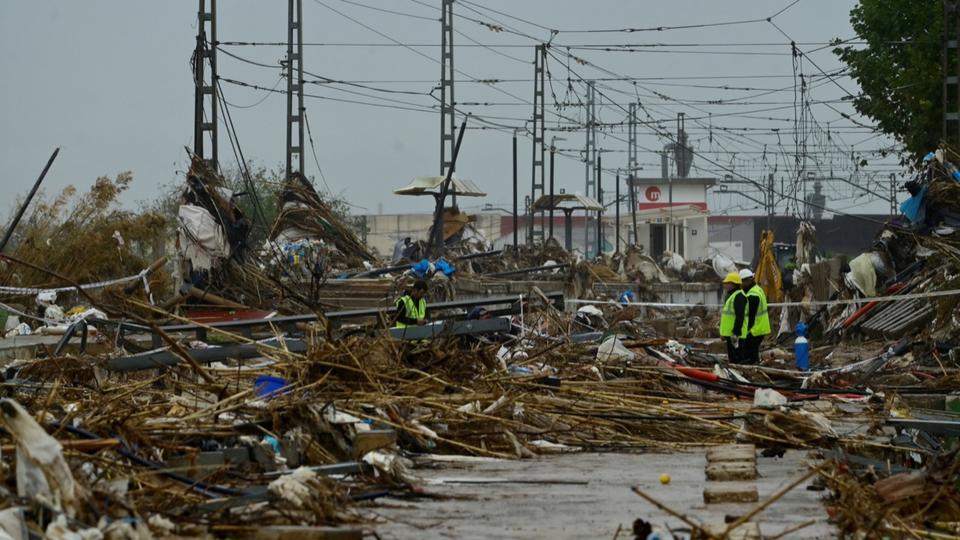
[570, 201]
[898, 317]
[429, 185]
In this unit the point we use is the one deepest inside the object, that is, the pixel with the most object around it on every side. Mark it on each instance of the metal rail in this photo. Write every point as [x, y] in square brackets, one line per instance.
[245, 327]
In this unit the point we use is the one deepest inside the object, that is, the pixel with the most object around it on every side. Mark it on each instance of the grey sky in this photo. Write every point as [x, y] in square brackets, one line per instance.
[109, 81]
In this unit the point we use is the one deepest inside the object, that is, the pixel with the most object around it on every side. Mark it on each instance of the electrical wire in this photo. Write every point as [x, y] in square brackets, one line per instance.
[680, 27]
[666, 135]
[383, 10]
[259, 101]
[564, 122]
[313, 149]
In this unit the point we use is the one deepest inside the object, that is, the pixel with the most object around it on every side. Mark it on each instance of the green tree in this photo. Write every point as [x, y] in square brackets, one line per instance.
[899, 69]
[267, 185]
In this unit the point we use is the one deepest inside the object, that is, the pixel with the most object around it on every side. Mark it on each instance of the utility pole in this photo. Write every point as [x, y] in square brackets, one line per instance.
[600, 211]
[553, 153]
[894, 210]
[681, 153]
[617, 221]
[295, 107]
[205, 88]
[448, 120]
[632, 166]
[515, 224]
[590, 157]
[770, 201]
[539, 135]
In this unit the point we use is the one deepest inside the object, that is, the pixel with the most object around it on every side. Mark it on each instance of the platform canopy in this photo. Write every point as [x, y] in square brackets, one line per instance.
[567, 201]
[430, 185]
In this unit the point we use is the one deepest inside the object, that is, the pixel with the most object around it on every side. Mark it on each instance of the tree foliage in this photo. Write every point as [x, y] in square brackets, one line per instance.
[85, 236]
[263, 197]
[899, 69]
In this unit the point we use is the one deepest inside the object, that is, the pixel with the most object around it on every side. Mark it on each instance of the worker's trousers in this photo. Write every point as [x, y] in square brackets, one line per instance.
[734, 354]
[750, 349]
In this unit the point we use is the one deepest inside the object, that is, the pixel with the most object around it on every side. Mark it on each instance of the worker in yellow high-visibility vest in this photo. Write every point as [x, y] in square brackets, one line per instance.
[733, 316]
[758, 320]
[412, 307]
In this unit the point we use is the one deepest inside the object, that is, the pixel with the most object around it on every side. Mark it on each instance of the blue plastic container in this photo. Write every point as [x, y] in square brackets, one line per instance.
[268, 385]
[801, 348]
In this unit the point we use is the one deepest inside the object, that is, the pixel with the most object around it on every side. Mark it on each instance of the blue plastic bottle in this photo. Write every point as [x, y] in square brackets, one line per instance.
[801, 348]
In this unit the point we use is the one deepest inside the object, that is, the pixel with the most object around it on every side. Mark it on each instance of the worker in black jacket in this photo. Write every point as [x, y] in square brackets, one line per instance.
[412, 307]
[733, 317]
[758, 319]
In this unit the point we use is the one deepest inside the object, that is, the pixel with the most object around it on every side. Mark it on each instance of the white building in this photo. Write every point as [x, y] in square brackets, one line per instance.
[672, 215]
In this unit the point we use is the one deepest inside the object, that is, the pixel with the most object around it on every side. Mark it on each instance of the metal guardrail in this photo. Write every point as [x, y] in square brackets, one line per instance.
[160, 358]
[245, 327]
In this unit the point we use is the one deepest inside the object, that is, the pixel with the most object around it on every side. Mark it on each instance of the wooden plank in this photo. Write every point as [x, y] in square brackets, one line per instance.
[732, 452]
[748, 531]
[730, 492]
[297, 532]
[81, 445]
[374, 439]
[724, 471]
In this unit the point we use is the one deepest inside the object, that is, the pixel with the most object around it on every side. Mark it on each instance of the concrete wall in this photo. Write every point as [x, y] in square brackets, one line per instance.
[384, 230]
[726, 231]
[839, 235]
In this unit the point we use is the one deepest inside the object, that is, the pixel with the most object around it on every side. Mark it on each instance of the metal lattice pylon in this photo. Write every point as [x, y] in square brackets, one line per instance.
[205, 84]
[448, 121]
[590, 159]
[537, 182]
[295, 108]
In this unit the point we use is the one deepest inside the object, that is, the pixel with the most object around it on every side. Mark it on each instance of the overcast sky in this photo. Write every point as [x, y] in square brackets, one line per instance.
[109, 81]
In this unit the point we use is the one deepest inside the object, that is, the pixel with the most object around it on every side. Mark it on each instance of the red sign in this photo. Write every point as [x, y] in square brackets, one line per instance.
[652, 193]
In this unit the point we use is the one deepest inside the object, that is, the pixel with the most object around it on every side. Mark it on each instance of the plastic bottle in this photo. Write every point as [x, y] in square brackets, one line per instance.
[951, 170]
[801, 348]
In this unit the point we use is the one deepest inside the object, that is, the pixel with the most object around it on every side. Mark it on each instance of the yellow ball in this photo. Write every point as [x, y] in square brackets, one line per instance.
[664, 478]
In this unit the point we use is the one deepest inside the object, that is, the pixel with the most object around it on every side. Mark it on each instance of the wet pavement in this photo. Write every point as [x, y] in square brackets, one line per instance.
[589, 496]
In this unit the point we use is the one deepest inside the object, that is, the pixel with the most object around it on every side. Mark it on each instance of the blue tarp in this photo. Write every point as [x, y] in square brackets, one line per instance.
[913, 207]
[445, 267]
[421, 268]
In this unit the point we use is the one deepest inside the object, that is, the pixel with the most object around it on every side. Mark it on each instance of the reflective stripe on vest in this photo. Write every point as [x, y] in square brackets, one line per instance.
[411, 310]
[761, 323]
[728, 316]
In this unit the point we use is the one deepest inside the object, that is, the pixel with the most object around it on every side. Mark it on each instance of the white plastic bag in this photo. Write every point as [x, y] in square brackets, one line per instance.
[612, 349]
[768, 398]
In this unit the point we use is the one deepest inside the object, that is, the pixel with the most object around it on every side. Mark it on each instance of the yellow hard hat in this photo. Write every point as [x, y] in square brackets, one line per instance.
[733, 277]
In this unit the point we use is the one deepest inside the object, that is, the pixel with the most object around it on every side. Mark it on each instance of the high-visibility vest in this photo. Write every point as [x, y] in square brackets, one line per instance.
[728, 316]
[411, 310]
[761, 323]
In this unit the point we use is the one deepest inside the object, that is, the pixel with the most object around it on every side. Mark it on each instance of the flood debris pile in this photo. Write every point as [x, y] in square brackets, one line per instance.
[259, 392]
[307, 245]
[912, 503]
[914, 257]
[320, 419]
[460, 234]
[883, 327]
[521, 259]
[230, 444]
[309, 237]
